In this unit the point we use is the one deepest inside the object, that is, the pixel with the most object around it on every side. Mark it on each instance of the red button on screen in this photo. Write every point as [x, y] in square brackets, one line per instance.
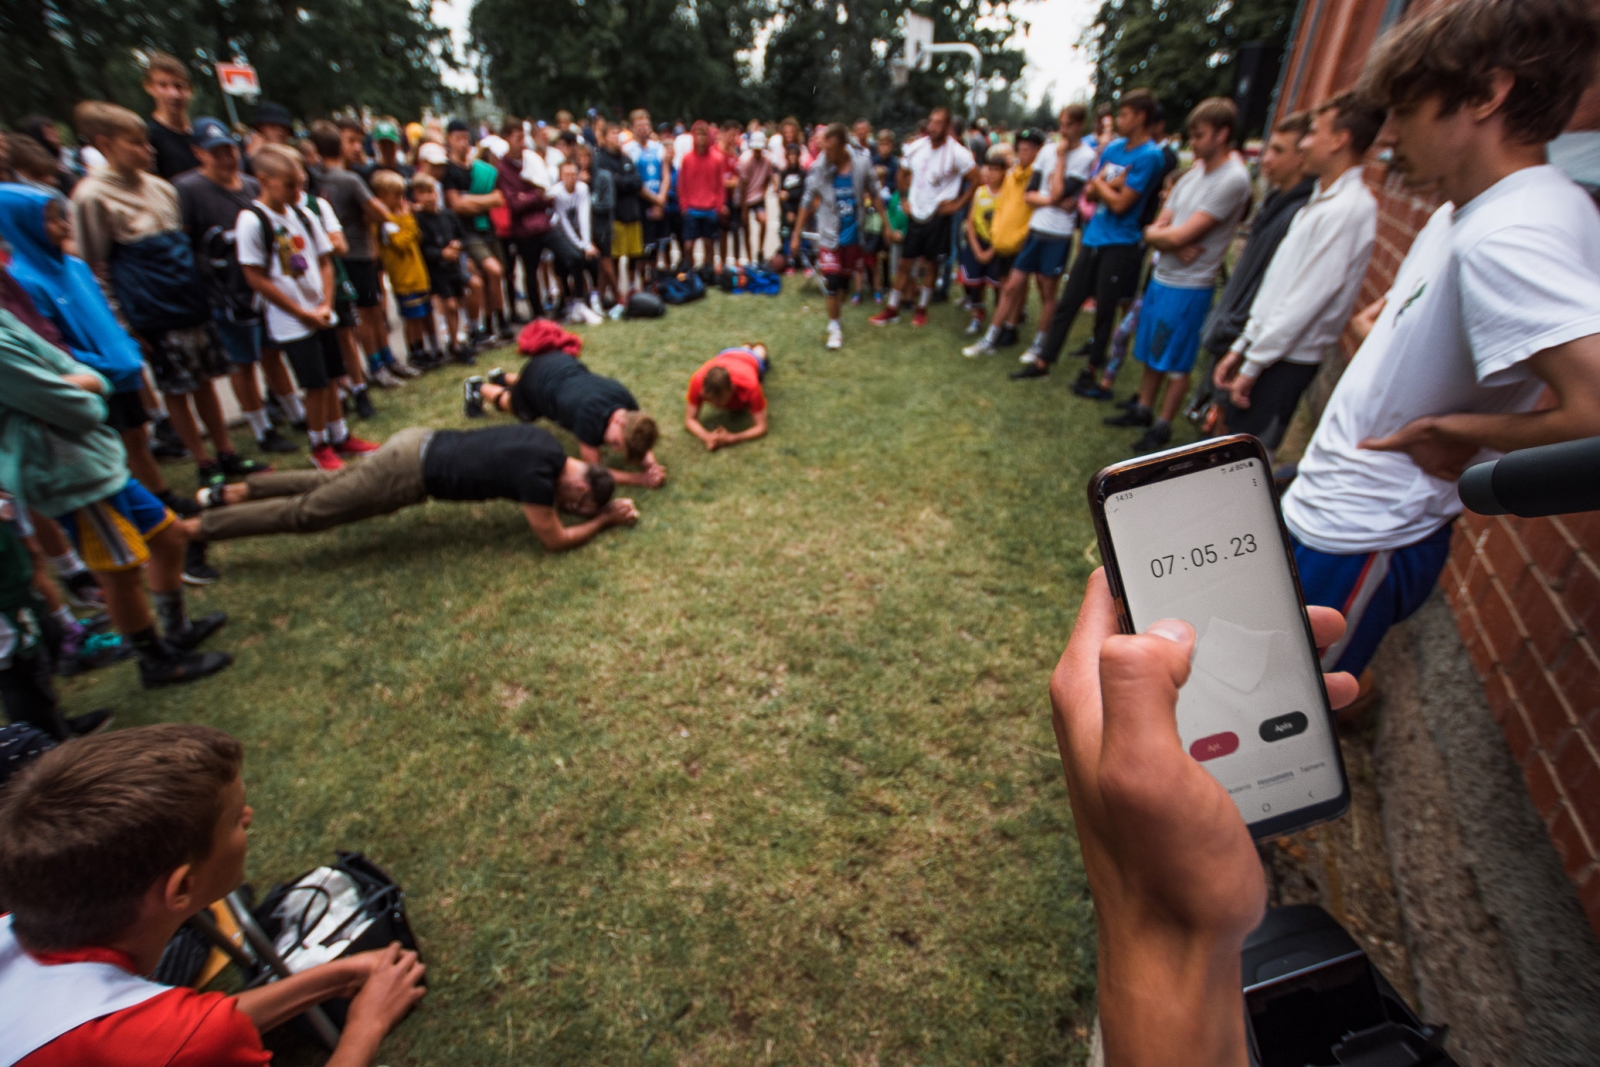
[1216, 745]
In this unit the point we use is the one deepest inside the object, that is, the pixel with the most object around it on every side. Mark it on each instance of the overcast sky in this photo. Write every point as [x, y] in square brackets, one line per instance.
[1055, 63]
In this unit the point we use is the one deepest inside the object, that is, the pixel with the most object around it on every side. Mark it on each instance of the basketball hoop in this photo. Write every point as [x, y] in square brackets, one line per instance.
[899, 73]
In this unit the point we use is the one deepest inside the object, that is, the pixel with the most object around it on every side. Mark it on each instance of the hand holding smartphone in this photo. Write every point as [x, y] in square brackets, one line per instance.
[1195, 534]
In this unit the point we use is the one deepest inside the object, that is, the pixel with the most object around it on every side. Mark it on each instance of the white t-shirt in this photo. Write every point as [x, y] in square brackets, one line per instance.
[1059, 221]
[936, 174]
[682, 145]
[572, 213]
[292, 262]
[1512, 273]
[1224, 194]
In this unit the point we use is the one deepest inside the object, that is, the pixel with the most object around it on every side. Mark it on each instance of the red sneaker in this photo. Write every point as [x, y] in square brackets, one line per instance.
[326, 458]
[354, 446]
[885, 317]
[919, 317]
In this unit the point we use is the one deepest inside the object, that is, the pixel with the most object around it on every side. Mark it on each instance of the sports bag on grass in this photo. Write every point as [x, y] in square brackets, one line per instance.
[642, 305]
[682, 289]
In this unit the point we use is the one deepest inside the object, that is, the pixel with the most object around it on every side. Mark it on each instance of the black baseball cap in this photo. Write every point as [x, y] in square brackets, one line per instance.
[268, 114]
[211, 133]
[457, 126]
[1030, 134]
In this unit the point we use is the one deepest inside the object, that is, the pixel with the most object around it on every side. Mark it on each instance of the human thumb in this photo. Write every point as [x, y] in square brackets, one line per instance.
[1139, 680]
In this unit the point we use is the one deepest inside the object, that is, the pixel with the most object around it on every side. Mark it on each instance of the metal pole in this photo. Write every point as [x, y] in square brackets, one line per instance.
[971, 51]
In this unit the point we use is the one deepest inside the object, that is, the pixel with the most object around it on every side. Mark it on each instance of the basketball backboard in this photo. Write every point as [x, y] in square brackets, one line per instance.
[919, 35]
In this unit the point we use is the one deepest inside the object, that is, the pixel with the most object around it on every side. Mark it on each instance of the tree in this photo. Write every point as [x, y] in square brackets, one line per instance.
[314, 56]
[669, 56]
[1182, 50]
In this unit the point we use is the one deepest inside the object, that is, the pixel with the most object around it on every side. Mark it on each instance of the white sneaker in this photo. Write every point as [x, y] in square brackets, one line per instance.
[981, 348]
[384, 378]
[835, 341]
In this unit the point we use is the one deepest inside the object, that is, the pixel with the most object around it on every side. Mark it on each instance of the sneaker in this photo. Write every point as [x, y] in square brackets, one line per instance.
[885, 317]
[275, 412]
[402, 370]
[462, 354]
[325, 458]
[472, 397]
[299, 425]
[94, 652]
[1007, 338]
[1154, 439]
[1029, 370]
[165, 443]
[212, 496]
[835, 341]
[982, 348]
[209, 474]
[91, 722]
[497, 376]
[196, 571]
[236, 466]
[273, 441]
[196, 630]
[855, 299]
[1134, 416]
[974, 326]
[85, 592]
[1090, 389]
[355, 446]
[1128, 403]
[184, 509]
[364, 408]
[1083, 350]
[176, 667]
[919, 317]
[504, 333]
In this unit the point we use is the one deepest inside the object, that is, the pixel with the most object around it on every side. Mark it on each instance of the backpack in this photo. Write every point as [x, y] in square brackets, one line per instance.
[643, 305]
[154, 281]
[683, 288]
[219, 268]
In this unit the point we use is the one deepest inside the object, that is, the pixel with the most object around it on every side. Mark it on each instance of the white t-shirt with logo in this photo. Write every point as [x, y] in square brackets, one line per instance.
[1512, 273]
[936, 174]
[1222, 192]
[1059, 221]
[298, 279]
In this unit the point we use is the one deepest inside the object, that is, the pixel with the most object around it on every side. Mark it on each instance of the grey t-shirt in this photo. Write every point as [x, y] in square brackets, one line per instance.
[347, 194]
[1222, 193]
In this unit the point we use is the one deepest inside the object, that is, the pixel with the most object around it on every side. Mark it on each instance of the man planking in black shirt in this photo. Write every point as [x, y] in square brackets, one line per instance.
[594, 409]
[521, 463]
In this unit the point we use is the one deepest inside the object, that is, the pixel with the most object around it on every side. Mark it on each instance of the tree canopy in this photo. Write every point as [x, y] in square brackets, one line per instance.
[313, 56]
[1182, 50]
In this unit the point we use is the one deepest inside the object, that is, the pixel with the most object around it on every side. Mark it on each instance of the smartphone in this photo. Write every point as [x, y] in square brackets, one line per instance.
[1195, 534]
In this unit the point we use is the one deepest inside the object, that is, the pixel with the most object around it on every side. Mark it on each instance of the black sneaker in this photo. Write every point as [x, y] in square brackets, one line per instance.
[273, 441]
[1083, 350]
[89, 723]
[196, 571]
[197, 630]
[209, 474]
[364, 408]
[1090, 390]
[84, 591]
[181, 506]
[472, 397]
[177, 668]
[480, 338]
[1029, 370]
[96, 651]
[275, 412]
[1154, 440]
[165, 442]
[462, 354]
[504, 333]
[1134, 416]
[1128, 403]
[298, 425]
[236, 466]
[1007, 338]
[497, 376]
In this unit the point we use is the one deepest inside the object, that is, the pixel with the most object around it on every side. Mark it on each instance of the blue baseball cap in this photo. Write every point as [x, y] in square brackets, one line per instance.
[211, 133]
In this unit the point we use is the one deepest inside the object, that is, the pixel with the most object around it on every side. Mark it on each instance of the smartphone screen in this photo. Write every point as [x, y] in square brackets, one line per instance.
[1206, 546]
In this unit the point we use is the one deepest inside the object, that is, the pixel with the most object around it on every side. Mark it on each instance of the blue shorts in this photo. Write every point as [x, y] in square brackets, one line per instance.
[1169, 327]
[241, 340]
[1374, 591]
[414, 305]
[110, 534]
[1044, 254]
[697, 224]
[976, 275]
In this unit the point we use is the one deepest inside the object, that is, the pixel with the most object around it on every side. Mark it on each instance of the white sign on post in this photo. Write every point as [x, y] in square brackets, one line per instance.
[238, 79]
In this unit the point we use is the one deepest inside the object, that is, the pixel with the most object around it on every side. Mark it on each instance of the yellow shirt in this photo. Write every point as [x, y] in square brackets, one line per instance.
[1008, 230]
[982, 212]
[402, 255]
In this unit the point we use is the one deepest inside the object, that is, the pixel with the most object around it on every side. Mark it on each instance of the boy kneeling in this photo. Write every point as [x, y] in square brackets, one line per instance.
[107, 846]
[730, 380]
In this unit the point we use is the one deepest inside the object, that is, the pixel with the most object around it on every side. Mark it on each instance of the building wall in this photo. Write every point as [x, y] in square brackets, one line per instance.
[1525, 592]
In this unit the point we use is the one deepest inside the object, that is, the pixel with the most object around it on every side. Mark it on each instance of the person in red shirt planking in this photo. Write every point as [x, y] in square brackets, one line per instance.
[731, 380]
[107, 846]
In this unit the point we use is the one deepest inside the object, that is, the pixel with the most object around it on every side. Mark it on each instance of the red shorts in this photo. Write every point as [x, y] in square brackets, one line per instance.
[842, 260]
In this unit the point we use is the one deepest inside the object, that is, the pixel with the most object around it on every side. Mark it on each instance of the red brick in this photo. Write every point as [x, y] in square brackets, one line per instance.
[1479, 650]
[1578, 773]
[1547, 713]
[1502, 549]
[1589, 895]
[1542, 786]
[1585, 529]
[1518, 737]
[1548, 626]
[1571, 844]
[1578, 678]
[1497, 691]
[1582, 595]
[1501, 625]
[1551, 549]
[1472, 525]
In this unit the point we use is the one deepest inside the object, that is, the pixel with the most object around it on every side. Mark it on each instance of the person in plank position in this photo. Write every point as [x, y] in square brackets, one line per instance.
[731, 380]
[522, 463]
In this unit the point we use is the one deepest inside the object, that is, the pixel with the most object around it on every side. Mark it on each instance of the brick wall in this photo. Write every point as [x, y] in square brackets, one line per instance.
[1525, 592]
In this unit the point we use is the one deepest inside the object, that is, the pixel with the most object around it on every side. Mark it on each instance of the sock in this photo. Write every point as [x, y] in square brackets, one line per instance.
[292, 407]
[68, 564]
[993, 334]
[384, 356]
[1161, 424]
[169, 609]
[259, 423]
[925, 298]
[834, 327]
[373, 364]
[337, 431]
[357, 390]
[894, 299]
[317, 438]
[66, 619]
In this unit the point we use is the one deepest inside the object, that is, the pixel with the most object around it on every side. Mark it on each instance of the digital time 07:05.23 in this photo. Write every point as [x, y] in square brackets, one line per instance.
[1203, 556]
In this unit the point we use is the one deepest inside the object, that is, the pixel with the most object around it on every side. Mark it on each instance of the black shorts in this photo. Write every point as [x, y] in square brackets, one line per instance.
[600, 234]
[125, 411]
[316, 360]
[363, 275]
[183, 360]
[345, 313]
[927, 240]
[447, 281]
[656, 231]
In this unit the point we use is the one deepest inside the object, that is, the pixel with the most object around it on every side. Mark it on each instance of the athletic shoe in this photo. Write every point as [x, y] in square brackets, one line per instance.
[885, 317]
[196, 630]
[462, 354]
[1135, 416]
[364, 408]
[211, 497]
[355, 446]
[403, 371]
[504, 333]
[981, 348]
[91, 722]
[275, 412]
[919, 317]
[1090, 390]
[95, 651]
[1128, 403]
[165, 443]
[196, 571]
[325, 458]
[1154, 440]
[85, 592]
[236, 466]
[472, 397]
[299, 425]
[1029, 370]
[176, 667]
[497, 376]
[1007, 338]
[273, 441]
[184, 509]
[835, 342]
[974, 326]
[209, 473]
[1083, 350]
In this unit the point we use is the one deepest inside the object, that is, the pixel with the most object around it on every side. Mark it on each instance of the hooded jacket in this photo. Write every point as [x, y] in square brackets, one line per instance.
[819, 191]
[528, 204]
[65, 291]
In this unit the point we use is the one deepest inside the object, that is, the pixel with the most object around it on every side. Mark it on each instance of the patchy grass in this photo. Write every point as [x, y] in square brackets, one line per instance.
[767, 778]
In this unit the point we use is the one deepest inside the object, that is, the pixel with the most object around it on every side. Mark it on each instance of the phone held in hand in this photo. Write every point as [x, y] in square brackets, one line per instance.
[1195, 534]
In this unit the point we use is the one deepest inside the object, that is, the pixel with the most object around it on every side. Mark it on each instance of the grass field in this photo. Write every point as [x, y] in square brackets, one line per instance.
[767, 778]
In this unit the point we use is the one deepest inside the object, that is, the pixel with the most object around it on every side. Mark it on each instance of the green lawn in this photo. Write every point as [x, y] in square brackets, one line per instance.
[767, 778]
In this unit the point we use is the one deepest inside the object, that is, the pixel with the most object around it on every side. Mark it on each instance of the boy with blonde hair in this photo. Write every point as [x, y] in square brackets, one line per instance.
[400, 250]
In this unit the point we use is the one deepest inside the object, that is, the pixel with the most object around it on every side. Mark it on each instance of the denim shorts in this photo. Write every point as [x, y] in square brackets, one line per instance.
[241, 341]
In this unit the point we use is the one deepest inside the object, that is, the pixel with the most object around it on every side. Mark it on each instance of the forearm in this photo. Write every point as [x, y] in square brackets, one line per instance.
[358, 1046]
[1169, 996]
[627, 477]
[1505, 432]
[580, 534]
[274, 1004]
[692, 424]
[755, 431]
